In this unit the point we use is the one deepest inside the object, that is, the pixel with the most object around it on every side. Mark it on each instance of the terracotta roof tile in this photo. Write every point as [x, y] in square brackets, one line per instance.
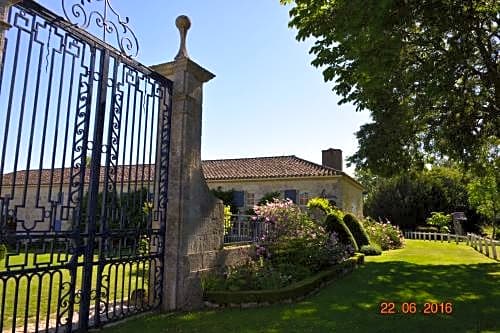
[264, 167]
[47, 176]
[240, 168]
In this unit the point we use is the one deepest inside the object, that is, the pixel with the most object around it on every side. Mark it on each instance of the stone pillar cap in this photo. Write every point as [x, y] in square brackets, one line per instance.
[183, 23]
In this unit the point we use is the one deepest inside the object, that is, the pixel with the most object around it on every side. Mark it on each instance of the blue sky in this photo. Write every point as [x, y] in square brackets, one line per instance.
[266, 99]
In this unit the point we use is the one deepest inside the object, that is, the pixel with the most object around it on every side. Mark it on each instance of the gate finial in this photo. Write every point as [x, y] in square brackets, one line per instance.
[107, 19]
[183, 23]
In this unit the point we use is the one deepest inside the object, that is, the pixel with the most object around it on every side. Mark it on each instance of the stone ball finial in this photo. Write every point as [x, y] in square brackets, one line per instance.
[183, 23]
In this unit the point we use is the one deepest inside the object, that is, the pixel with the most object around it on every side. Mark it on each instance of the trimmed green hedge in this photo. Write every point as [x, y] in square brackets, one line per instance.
[357, 229]
[292, 291]
[335, 223]
[371, 250]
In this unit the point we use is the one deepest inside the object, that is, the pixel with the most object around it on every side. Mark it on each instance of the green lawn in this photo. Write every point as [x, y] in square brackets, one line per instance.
[422, 272]
[32, 293]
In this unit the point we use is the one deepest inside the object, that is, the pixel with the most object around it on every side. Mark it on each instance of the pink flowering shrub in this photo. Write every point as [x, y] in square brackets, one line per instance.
[386, 235]
[285, 221]
[292, 248]
[293, 237]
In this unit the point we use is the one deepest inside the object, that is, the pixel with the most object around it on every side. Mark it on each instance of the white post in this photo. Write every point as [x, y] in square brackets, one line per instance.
[493, 249]
[481, 244]
[448, 237]
[487, 247]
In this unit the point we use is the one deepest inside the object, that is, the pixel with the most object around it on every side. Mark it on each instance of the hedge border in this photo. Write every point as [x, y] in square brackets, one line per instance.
[295, 291]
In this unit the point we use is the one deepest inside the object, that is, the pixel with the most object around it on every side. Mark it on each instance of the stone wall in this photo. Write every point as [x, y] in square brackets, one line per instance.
[234, 255]
[352, 197]
[346, 193]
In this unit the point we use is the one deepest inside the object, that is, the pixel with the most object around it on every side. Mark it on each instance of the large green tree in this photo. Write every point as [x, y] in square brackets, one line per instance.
[428, 70]
[409, 199]
[484, 189]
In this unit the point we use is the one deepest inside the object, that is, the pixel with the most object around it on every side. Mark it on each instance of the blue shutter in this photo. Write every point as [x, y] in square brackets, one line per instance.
[291, 194]
[57, 225]
[239, 198]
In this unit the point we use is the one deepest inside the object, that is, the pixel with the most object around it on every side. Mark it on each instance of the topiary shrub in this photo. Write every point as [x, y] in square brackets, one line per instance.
[371, 250]
[357, 229]
[318, 209]
[3, 251]
[334, 222]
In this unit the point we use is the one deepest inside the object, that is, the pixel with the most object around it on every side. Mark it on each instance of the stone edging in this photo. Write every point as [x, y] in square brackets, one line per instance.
[295, 292]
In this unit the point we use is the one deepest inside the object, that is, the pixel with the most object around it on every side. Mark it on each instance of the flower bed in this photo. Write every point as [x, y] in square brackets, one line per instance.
[295, 291]
[296, 254]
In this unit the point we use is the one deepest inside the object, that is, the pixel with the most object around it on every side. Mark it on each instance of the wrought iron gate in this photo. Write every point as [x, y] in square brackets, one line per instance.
[84, 144]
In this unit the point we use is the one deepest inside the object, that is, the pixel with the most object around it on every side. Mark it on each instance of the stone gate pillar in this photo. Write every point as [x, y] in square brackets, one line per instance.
[4, 24]
[194, 216]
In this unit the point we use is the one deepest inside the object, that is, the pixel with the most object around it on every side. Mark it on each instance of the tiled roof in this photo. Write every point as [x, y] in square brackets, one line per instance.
[264, 167]
[46, 176]
[227, 169]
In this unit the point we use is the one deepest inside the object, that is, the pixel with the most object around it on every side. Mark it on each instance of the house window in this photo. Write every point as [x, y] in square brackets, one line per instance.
[303, 198]
[250, 199]
[239, 198]
[291, 194]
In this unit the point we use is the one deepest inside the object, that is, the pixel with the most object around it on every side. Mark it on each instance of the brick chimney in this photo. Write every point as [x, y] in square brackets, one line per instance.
[332, 158]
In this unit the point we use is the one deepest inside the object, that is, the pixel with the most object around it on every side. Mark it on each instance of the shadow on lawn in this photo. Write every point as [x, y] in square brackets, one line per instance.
[352, 304]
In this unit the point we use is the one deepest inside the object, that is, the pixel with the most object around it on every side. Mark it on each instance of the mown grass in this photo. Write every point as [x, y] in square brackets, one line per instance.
[422, 272]
[42, 292]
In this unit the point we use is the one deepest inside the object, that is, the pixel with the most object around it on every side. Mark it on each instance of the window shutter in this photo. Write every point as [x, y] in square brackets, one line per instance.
[57, 225]
[291, 194]
[239, 198]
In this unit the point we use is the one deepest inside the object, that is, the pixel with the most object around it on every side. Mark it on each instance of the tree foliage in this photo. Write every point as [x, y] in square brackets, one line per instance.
[227, 198]
[440, 220]
[428, 70]
[484, 189]
[269, 197]
[408, 200]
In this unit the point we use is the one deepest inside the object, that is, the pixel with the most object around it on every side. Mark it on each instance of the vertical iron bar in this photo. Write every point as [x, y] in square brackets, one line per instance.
[103, 232]
[33, 123]
[22, 108]
[94, 191]
[66, 130]
[56, 126]
[76, 236]
[9, 111]
[166, 115]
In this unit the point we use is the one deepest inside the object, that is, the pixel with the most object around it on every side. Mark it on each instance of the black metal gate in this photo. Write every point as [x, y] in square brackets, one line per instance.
[84, 144]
